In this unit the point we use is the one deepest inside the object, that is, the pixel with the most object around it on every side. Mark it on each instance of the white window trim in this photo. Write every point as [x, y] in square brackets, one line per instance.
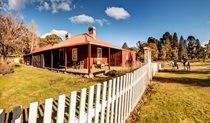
[97, 53]
[74, 51]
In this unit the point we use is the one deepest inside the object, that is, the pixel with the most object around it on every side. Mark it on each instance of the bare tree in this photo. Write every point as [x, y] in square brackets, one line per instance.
[33, 29]
[10, 35]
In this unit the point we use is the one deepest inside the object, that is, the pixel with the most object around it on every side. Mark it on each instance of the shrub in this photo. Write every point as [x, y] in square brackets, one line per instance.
[21, 61]
[6, 67]
[112, 73]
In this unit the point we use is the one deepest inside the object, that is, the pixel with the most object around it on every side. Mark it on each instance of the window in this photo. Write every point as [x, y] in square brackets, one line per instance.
[74, 54]
[99, 53]
[61, 54]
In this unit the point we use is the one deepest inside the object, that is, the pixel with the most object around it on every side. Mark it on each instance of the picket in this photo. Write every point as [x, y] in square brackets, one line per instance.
[108, 101]
[48, 110]
[113, 98]
[33, 112]
[103, 103]
[120, 100]
[82, 114]
[114, 104]
[61, 106]
[72, 107]
[2, 115]
[123, 98]
[97, 101]
[17, 111]
[90, 104]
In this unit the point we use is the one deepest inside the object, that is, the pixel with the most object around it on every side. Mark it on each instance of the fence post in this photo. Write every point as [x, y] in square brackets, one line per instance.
[147, 60]
[98, 92]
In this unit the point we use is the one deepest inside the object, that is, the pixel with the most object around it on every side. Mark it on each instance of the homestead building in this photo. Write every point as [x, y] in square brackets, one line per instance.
[83, 52]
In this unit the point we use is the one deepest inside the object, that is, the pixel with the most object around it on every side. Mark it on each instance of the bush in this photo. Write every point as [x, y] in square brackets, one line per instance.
[112, 73]
[6, 67]
[21, 60]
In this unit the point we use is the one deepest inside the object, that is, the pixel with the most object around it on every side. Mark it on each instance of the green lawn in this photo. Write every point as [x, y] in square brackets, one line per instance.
[177, 96]
[29, 84]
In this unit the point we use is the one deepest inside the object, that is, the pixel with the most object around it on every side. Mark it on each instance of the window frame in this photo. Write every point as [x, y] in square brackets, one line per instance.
[98, 55]
[74, 54]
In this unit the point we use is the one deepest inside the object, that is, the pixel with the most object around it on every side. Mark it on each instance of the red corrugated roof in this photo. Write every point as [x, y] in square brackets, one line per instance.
[42, 48]
[74, 41]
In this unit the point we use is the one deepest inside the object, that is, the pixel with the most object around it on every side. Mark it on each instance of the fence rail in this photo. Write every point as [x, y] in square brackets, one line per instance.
[110, 102]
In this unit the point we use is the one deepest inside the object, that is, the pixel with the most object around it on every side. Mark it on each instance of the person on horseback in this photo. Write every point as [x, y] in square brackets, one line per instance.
[175, 63]
[184, 61]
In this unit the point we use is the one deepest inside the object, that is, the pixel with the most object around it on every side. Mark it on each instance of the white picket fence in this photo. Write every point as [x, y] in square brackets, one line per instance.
[109, 102]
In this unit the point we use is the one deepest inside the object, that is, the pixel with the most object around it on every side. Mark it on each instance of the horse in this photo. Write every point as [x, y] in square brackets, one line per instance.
[186, 65]
[174, 65]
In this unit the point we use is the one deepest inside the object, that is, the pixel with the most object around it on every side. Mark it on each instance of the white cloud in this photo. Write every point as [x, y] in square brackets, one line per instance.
[60, 33]
[82, 19]
[87, 19]
[101, 22]
[117, 13]
[54, 5]
[17, 4]
[64, 6]
[45, 6]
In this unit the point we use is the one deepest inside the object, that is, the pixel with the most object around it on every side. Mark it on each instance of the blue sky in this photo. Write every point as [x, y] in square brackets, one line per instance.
[117, 21]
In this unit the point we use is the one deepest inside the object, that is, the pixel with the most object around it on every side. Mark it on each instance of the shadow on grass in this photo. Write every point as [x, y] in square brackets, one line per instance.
[40, 109]
[185, 80]
[40, 112]
[199, 71]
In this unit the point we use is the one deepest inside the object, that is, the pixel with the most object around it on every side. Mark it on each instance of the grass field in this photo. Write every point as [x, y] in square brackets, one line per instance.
[176, 96]
[29, 84]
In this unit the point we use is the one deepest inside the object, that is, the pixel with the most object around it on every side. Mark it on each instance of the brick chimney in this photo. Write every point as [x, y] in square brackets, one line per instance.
[92, 32]
[68, 36]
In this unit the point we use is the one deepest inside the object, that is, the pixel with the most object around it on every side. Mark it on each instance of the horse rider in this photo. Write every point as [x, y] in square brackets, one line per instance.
[175, 64]
[184, 61]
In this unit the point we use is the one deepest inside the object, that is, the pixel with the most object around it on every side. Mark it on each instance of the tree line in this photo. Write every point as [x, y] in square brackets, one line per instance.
[169, 47]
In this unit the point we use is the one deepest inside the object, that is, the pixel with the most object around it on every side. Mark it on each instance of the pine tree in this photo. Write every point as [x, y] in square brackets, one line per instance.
[175, 41]
[166, 40]
[182, 48]
[175, 46]
[191, 48]
[199, 50]
[125, 46]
